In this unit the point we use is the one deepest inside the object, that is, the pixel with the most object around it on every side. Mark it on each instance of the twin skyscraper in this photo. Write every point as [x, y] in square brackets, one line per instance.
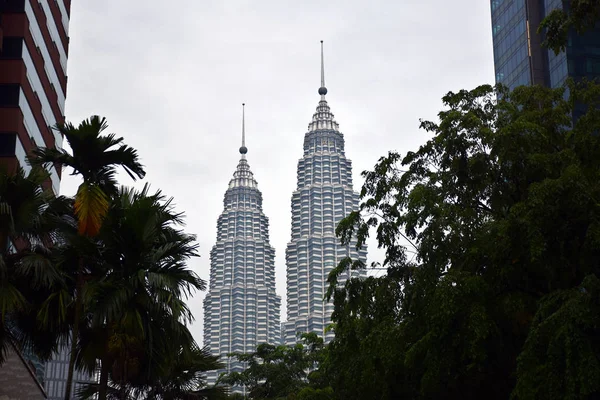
[242, 309]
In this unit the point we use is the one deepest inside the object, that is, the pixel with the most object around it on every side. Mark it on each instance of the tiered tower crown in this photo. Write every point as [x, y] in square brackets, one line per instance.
[323, 118]
[243, 177]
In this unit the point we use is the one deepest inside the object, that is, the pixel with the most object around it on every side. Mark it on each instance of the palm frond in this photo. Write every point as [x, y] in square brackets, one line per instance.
[45, 157]
[53, 312]
[127, 157]
[11, 299]
[91, 206]
[93, 155]
[39, 270]
[209, 393]
[90, 391]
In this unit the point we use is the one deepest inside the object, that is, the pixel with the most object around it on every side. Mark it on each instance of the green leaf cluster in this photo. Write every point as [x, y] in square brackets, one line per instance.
[578, 17]
[492, 253]
[283, 372]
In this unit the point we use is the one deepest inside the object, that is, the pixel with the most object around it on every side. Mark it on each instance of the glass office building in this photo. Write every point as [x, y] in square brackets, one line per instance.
[241, 309]
[56, 372]
[323, 197]
[519, 58]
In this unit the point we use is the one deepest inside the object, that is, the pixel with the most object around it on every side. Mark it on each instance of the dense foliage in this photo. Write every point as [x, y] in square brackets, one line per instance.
[30, 220]
[492, 238]
[283, 372]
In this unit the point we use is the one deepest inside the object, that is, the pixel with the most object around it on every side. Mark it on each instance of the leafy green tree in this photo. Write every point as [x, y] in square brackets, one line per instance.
[95, 157]
[311, 393]
[492, 249]
[281, 372]
[366, 358]
[30, 217]
[580, 17]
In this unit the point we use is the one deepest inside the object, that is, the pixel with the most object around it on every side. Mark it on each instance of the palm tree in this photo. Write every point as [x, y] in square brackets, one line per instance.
[95, 157]
[181, 376]
[30, 218]
[185, 378]
[137, 308]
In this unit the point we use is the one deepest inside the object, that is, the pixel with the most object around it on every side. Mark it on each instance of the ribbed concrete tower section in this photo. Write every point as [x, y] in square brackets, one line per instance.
[241, 309]
[323, 197]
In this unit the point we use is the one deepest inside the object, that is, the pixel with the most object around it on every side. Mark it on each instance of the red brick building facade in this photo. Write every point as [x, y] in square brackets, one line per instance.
[33, 77]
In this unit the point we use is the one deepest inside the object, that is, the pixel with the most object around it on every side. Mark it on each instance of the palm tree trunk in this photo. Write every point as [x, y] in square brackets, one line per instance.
[75, 331]
[3, 243]
[123, 394]
[103, 387]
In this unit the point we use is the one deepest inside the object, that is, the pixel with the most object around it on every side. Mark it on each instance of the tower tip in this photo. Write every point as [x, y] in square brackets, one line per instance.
[243, 149]
[322, 89]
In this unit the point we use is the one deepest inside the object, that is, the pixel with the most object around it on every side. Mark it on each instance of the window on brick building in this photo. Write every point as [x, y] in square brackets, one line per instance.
[12, 6]
[12, 47]
[9, 95]
[8, 143]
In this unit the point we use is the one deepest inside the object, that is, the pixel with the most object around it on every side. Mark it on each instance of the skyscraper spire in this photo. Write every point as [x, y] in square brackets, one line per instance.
[243, 149]
[322, 89]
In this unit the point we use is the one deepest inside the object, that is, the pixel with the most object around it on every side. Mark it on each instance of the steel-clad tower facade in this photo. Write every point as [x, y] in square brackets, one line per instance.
[241, 308]
[323, 197]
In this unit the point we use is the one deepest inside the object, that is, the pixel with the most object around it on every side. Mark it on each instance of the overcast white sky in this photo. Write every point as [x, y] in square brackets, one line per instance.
[170, 77]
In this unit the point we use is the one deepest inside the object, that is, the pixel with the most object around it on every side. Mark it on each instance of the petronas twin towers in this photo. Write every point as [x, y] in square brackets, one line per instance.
[241, 309]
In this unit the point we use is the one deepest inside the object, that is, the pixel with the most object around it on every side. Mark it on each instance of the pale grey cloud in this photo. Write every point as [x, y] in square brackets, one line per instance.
[171, 77]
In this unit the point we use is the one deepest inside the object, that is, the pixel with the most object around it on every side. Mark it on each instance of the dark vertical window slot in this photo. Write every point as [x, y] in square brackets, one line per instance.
[9, 95]
[8, 144]
[12, 47]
